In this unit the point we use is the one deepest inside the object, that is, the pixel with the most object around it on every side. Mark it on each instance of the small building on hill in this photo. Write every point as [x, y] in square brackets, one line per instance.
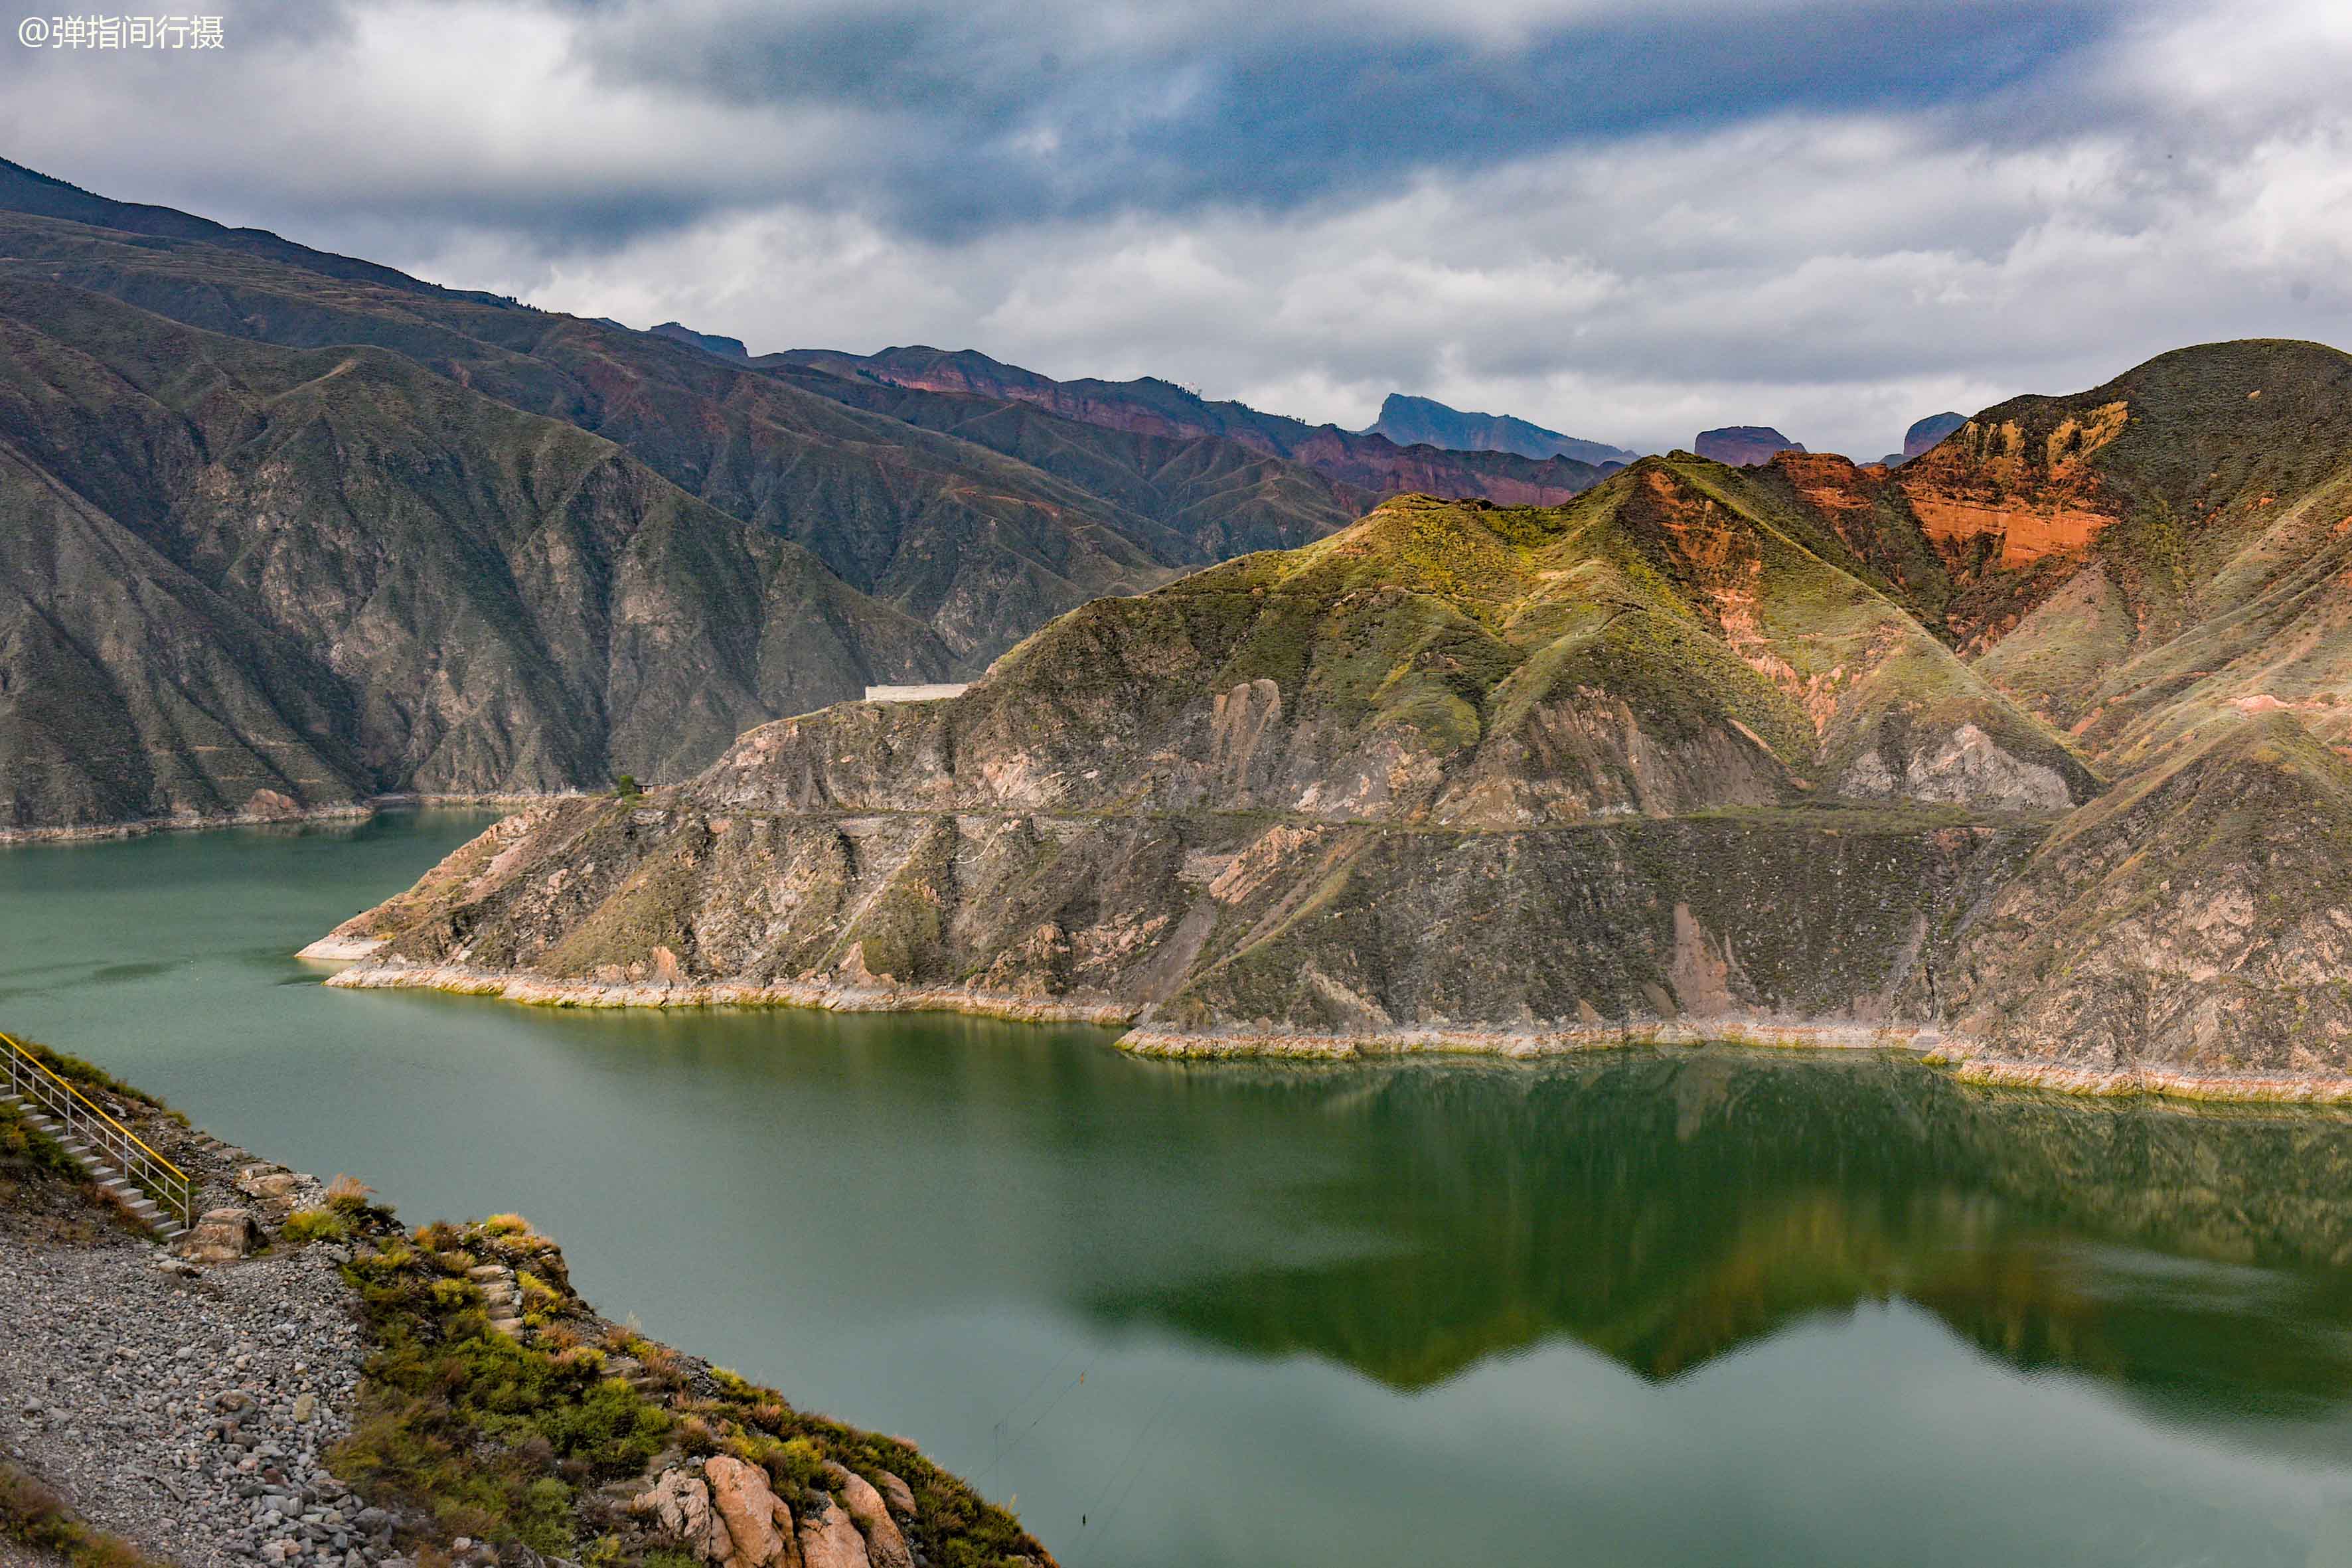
[916, 693]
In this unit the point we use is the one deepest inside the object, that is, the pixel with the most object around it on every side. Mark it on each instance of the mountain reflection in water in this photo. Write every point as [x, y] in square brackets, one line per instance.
[1667, 1207]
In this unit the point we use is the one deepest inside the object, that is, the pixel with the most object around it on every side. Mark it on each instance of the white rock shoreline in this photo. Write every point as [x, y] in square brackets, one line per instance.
[1966, 1059]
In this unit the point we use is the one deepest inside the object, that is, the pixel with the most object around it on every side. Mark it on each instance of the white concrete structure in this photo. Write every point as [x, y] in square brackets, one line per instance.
[916, 693]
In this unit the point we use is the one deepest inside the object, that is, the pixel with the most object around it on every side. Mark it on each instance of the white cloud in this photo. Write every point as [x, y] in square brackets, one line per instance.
[1834, 271]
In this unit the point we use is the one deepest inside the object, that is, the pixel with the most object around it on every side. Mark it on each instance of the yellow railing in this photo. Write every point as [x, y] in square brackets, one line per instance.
[32, 1078]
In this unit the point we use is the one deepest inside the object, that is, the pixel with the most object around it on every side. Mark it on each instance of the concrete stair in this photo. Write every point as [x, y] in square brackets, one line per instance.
[159, 1224]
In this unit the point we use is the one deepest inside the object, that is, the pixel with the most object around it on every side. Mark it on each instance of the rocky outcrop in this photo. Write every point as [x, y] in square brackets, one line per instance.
[680, 1505]
[829, 1539]
[222, 1235]
[885, 1547]
[729, 1515]
[758, 1523]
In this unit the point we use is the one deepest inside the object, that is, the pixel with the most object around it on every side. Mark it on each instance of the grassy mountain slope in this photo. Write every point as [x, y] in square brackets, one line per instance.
[235, 568]
[1658, 645]
[1354, 786]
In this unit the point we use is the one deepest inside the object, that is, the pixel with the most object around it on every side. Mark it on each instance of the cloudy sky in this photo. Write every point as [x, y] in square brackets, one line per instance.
[1626, 221]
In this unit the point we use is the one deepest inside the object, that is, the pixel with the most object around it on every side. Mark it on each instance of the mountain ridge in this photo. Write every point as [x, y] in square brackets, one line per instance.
[1150, 405]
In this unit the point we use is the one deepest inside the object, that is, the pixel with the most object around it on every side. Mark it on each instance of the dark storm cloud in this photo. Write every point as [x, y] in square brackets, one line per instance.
[985, 114]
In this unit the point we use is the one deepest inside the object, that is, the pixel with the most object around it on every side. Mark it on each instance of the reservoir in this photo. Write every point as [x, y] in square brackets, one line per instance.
[1669, 1307]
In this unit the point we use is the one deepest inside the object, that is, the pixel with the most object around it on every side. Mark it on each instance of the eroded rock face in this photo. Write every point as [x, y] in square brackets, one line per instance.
[885, 1547]
[2160, 929]
[1965, 767]
[680, 1504]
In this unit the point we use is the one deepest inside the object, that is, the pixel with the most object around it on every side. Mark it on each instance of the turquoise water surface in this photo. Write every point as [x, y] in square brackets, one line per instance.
[1691, 1307]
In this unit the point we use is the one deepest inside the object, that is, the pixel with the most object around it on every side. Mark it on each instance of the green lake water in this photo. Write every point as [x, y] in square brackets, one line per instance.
[1684, 1307]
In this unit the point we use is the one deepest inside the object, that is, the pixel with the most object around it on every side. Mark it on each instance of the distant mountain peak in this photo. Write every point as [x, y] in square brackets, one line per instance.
[1742, 445]
[1925, 433]
[1423, 421]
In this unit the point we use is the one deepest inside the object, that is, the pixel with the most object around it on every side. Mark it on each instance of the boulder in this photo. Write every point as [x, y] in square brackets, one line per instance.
[222, 1235]
[829, 1539]
[680, 1504]
[267, 1181]
[272, 804]
[755, 1516]
[885, 1547]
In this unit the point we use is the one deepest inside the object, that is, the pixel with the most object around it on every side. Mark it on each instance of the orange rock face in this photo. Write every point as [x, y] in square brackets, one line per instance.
[2026, 532]
[2037, 498]
[1830, 481]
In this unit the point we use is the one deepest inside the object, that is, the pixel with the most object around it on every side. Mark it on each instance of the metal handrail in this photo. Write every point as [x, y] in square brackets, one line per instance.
[166, 1183]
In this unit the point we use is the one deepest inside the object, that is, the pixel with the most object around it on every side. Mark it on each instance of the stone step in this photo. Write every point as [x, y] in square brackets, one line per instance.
[141, 1207]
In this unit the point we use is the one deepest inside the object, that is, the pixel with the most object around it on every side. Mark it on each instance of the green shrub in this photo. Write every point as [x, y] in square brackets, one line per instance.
[316, 1224]
[801, 1462]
